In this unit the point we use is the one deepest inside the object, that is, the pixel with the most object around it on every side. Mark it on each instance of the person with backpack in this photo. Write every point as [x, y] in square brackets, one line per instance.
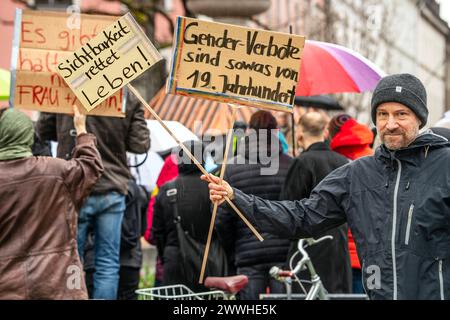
[181, 219]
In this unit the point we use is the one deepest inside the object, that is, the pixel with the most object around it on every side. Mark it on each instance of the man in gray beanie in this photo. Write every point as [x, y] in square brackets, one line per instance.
[404, 89]
[396, 202]
[399, 109]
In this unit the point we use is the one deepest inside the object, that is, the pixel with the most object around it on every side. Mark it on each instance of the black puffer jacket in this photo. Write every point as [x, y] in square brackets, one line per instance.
[398, 207]
[331, 258]
[234, 234]
[114, 136]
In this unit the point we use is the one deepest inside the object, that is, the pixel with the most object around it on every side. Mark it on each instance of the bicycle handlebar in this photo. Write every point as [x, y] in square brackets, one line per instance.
[278, 273]
[311, 242]
[287, 277]
[305, 256]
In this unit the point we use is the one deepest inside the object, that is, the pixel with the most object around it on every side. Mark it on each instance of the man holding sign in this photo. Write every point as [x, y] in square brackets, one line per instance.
[116, 56]
[396, 202]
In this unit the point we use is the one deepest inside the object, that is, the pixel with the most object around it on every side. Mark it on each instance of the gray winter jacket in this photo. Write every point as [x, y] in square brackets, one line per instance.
[397, 205]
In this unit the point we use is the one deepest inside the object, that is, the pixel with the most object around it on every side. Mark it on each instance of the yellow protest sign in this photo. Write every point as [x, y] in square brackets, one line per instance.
[41, 39]
[113, 58]
[235, 64]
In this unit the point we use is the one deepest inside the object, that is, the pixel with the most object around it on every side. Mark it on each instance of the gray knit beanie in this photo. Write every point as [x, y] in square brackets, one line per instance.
[405, 89]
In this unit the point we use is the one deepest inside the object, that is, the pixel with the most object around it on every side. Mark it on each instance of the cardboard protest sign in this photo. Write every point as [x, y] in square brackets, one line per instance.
[235, 64]
[41, 39]
[109, 61]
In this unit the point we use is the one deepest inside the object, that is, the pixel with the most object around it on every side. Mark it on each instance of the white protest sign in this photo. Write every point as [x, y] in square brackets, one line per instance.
[112, 59]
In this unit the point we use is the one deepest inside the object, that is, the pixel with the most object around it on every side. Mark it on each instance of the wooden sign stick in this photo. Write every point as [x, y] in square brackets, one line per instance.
[216, 204]
[154, 114]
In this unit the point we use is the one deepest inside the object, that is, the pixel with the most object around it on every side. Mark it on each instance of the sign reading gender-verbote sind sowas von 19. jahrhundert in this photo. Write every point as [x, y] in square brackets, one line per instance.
[41, 39]
[235, 64]
[112, 59]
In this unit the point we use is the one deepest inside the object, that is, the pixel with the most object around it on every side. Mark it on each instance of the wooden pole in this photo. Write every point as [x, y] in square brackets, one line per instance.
[294, 142]
[294, 151]
[216, 204]
[199, 166]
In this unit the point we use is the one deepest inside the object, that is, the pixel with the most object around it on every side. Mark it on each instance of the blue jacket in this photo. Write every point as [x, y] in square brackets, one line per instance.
[397, 205]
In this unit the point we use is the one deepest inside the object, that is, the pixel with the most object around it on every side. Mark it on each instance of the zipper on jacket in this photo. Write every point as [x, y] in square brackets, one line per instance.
[394, 223]
[441, 280]
[426, 151]
[408, 225]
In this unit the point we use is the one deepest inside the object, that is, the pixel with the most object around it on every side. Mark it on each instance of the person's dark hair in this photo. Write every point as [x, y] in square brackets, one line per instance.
[185, 164]
[263, 120]
[240, 125]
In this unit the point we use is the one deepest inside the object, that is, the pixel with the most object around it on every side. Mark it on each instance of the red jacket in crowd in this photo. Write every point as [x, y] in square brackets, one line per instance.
[353, 141]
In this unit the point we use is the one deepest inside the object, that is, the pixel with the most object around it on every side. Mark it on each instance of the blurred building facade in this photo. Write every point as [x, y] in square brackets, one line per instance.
[399, 36]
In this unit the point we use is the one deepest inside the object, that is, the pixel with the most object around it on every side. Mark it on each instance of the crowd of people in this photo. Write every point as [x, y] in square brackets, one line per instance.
[71, 226]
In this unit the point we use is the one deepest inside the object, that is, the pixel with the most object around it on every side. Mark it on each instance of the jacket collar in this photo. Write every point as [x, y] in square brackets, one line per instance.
[318, 146]
[417, 151]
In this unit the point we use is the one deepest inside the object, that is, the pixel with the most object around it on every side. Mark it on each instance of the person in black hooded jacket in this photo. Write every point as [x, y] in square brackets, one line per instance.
[397, 202]
[193, 207]
[260, 169]
[331, 258]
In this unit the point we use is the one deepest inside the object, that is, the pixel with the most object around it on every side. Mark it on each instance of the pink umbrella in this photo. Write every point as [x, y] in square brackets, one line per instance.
[330, 68]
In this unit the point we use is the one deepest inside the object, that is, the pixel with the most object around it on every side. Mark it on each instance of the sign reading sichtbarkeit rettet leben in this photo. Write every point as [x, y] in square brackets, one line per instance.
[116, 56]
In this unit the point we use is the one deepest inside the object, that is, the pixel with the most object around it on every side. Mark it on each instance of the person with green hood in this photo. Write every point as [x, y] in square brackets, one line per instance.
[40, 197]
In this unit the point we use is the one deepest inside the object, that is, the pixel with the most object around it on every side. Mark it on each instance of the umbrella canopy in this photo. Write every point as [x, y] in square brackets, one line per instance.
[321, 102]
[5, 80]
[329, 68]
[162, 141]
[145, 168]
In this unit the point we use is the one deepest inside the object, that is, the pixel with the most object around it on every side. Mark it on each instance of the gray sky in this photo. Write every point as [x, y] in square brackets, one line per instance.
[445, 9]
